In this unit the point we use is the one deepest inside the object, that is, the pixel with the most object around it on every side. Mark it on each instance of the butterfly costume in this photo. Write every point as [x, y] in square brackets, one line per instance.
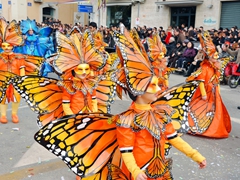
[102, 146]
[37, 42]
[10, 62]
[208, 117]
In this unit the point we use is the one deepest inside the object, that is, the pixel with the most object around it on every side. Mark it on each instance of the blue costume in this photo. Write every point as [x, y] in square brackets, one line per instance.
[38, 42]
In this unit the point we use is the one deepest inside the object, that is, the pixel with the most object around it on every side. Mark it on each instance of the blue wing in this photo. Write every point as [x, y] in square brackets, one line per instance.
[45, 32]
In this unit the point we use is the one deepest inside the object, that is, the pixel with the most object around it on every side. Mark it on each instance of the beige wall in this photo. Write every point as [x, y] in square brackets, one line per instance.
[34, 11]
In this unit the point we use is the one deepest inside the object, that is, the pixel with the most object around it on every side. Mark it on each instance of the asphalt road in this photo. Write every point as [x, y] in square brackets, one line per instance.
[23, 159]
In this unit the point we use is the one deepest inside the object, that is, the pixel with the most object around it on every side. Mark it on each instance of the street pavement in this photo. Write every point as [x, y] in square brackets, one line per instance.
[21, 158]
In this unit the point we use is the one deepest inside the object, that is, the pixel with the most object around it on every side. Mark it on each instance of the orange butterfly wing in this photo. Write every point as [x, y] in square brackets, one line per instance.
[76, 31]
[5, 80]
[92, 56]
[137, 69]
[159, 43]
[179, 98]
[33, 64]
[202, 112]
[98, 42]
[106, 91]
[68, 56]
[86, 143]
[154, 50]
[43, 96]
[10, 32]
[115, 173]
[137, 40]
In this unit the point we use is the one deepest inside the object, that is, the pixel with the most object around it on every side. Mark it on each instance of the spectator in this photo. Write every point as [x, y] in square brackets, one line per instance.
[187, 57]
[163, 35]
[174, 55]
[179, 36]
[196, 62]
[171, 45]
[232, 53]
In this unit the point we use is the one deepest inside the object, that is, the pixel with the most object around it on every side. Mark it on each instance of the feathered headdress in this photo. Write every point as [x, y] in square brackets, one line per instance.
[27, 25]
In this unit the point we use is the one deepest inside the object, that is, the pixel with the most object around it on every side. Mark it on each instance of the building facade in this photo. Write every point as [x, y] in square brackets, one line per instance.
[207, 13]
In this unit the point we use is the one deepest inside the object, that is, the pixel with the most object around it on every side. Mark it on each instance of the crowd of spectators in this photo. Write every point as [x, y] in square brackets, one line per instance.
[182, 42]
[184, 50]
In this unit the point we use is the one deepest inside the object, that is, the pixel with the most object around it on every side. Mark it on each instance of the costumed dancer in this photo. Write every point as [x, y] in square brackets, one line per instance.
[37, 42]
[75, 92]
[143, 129]
[208, 115]
[88, 143]
[81, 95]
[10, 62]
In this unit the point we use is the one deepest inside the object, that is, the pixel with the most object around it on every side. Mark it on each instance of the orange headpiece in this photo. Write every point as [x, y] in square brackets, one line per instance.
[207, 45]
[76, 50]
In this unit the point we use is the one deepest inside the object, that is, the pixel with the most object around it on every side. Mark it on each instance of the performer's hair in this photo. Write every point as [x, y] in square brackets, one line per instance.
[93, 24]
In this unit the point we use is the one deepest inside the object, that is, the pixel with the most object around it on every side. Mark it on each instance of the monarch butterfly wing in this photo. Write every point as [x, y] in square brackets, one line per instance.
[126, 120]
[106, 91]
[98, 41]
[76, 36]
[206, 43]
[12, 34]
[179, 98]
[137, 69]
[33, 64]
[115, 173]
[137, 40]
[159, 43]
[119, 77]
[91, 55]
[5, 79]
[104, 108]
[154, 50]
[43, 95]
[68, 55]
[202, 112]
[112, 62]
[3, 26]
[85, 142]
[224, 62]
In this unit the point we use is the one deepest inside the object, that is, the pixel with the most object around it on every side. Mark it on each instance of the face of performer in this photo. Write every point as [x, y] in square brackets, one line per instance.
[214, 57]
[215, 61]
[161, 55]
[152, 91]
[82, 70]
[7, 48]
[30, 31]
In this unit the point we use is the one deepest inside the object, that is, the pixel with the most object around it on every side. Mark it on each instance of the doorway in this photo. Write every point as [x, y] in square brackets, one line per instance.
[183, 15]
[117, 14]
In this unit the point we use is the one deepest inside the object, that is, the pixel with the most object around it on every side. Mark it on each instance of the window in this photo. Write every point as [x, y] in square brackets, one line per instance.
[183, 15]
